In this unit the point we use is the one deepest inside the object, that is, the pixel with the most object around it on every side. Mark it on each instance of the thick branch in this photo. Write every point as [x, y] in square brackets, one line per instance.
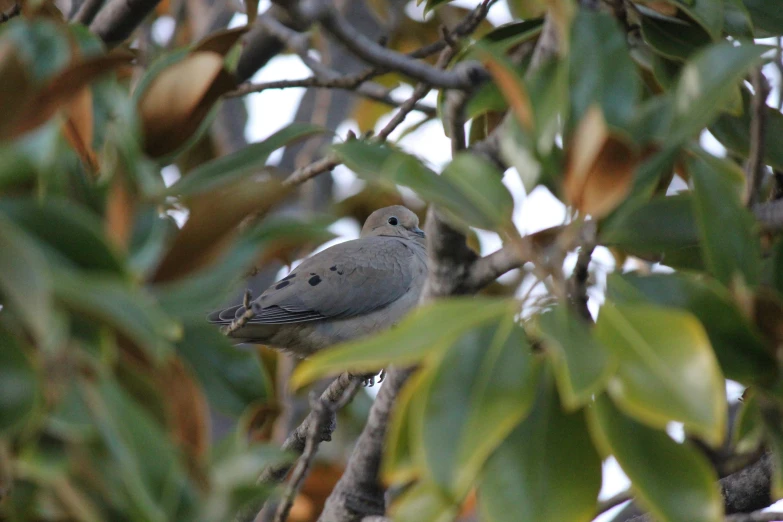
[466, 75]
[119, 18]
[359, 493]
[494, 265]
[87, 11]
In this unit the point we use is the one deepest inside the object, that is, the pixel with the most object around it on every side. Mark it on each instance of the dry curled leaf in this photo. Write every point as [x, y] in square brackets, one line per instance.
[513, 91]
[213, 222]
[599, 167]
[179, 98]
[221, 41]
[78, 127]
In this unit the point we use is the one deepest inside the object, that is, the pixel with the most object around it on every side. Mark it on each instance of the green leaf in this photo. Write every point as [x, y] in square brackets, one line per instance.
[424, 502]
[78, 235]
[427, 330]
[748, 433]
[468, 202]
[667, 371]
[664, 230]
[707, 13]
[730, 244]
[16, 168]
[152, 477]
[42, 44]
[732, 132]
[601, 69]
[736, 19]
[25, 285]
[232, 378]
[707, 84]
[480, 182]
[547, 469]
[582, 365]
[481, 389]
[739, 348]
[675, 481]
[674, 40]
[224, 170]
[130, 311]
[19, 391]
[403, 443]
[767, 17]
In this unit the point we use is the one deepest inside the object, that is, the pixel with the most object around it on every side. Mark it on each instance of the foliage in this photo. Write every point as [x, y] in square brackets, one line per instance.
[110, 377]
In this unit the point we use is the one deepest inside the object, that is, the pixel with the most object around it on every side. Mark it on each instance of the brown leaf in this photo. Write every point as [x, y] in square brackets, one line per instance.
[599, 167]
[222, 41]
[78, 127]
[63, 89]
[179, 98]
[17, 88]
[665, 8]
[513, 91]
[213, 223]
[120, 209]
[187, 409]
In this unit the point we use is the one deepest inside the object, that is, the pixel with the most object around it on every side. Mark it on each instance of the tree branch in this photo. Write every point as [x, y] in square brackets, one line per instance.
[466, 75]
[296, 442]
[119, 18]
[754, 169]
[87, 11]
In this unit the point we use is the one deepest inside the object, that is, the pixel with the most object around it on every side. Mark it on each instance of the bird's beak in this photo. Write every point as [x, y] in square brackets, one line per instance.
[419, 232]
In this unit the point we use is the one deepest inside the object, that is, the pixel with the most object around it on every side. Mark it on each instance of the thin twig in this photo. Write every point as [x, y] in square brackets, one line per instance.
[467, 75]
[343, 82]
[310, 171]
[614, 501]
[323, 411]
[756, 516]
[754, 169]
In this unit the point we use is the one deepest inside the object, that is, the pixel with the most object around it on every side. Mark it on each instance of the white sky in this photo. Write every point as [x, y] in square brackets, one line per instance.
[271, 110]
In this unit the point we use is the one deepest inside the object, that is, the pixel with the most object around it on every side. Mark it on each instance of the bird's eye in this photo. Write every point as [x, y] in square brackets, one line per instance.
[393, 221]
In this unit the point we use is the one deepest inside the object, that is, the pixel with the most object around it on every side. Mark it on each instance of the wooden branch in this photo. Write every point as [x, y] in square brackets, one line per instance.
[754, 169]
[87, 11]
[119, 18]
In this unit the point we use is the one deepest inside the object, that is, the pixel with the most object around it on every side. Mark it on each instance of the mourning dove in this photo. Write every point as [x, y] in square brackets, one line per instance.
[344, 292]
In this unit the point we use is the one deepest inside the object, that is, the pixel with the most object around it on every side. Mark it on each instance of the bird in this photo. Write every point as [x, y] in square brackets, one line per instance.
[347, 291]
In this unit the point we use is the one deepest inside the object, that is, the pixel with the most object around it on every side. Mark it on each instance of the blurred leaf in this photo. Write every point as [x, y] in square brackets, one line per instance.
[63, 89]
[526, 9]
[19, 391]
[68, 229]
[455, 191]
[748, 433]
[25, 284]
[427, 330]
[511, 84]
[765, 16]
[42, 46]
[212, 223]
[738, 346]
[424, 502]
[601, 69]
[662, 230]
[403, 444]
[582, 365]
[660, 350]
[131, 312]
[222, 41]
[16, 167]
[178, 95]
[674, 40]
[732, 132]
[482, 387]
[18, 84]
[674, 480]
[730, 244]
[773, 426]
[232, 377]
[547, 469]
[234, 167]
[706, 85]
[146, 461]
[480, 182]
[707, 13]
[736, 19]
[78, 127]
[600, 167]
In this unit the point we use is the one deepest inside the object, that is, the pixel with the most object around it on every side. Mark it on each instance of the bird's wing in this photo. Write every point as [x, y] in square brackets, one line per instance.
[346, 280]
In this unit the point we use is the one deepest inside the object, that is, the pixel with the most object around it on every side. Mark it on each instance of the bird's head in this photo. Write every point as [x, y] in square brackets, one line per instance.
[393, 221]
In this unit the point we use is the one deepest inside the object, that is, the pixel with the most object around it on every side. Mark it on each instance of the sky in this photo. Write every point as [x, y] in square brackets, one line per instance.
[272, 109]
